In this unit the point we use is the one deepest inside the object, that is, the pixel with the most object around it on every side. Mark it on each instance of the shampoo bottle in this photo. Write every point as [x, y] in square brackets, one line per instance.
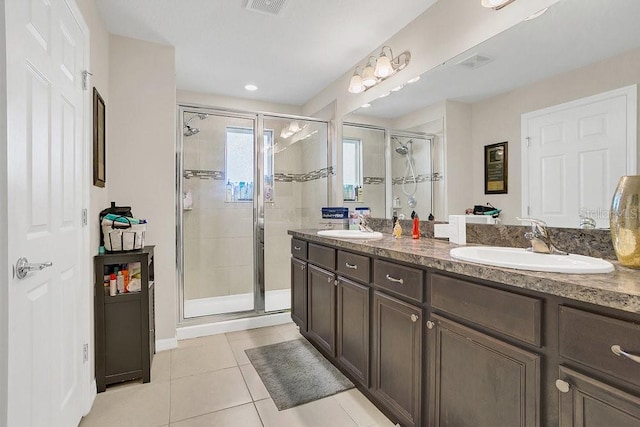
[120, 282]
[112, 285]
[415, 233]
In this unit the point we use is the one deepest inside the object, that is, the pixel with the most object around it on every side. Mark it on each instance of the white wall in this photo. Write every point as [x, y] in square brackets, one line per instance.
[498, 119]
[211, 100]
[141, 153]
[4, 262]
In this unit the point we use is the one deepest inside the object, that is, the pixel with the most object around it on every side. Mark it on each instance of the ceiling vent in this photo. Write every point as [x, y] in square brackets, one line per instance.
[475, 61]
[267, 7]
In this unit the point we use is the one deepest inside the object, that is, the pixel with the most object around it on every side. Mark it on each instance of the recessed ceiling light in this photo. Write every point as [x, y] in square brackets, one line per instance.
[413, 80]
[397, 88]
[385, 95]
[367, 105]
[495, 4]
[251, 87]
[537, 14]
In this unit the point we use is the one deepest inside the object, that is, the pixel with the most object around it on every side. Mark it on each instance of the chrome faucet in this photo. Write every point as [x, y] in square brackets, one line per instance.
[364, 223]
[539, 238]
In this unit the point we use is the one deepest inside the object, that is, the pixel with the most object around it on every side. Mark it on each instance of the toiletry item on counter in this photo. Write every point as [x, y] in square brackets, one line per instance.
[334, 218]
[125, 273]
[113, 290]
[396, 202]
[354, 221]
[415, 233]
[397, 230]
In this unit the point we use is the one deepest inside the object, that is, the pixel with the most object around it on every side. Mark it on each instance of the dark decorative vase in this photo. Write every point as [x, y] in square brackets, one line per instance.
[625, 221]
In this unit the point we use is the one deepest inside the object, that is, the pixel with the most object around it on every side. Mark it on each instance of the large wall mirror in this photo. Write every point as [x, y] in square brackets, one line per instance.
[480, 97]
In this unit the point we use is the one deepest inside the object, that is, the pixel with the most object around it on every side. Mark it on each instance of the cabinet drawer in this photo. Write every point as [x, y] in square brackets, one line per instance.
[322, 256]
[399, 279]
[354, 266]
[587, 338]
[299, 248]
[510, 314]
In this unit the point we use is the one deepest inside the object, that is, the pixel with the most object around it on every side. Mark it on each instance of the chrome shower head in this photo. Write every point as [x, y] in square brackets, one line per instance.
[190, 131]
[403, 149]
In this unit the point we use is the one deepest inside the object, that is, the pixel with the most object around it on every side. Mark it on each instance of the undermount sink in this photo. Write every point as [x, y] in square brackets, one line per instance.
[351, 234]
[523, 259]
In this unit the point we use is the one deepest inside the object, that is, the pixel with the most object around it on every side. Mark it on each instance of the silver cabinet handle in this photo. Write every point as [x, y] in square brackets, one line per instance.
[620, 352]
[302, 267]
[335, 282]
[354, 266]
[296, 248]
[414, 318]
[563, 386]
[430, 324]
[393, 279]
[23, 267]
[328, 279]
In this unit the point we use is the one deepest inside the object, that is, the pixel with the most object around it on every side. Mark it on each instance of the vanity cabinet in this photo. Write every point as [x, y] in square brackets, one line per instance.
[585, 402]
[352, 349]
[299, 293]
[321, 308]
[397, 356]
[478, 380]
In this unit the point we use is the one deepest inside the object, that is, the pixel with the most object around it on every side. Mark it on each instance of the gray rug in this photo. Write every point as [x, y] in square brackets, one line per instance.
[294, 373]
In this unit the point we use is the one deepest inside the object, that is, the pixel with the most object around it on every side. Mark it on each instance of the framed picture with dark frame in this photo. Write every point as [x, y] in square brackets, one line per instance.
[99, 158]
[496, 168]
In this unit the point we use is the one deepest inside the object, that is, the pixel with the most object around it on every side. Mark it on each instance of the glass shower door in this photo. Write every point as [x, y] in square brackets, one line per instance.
[294, 191]
[217, 214]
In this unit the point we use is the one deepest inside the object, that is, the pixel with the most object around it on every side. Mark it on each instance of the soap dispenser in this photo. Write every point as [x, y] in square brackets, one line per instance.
[415, 233]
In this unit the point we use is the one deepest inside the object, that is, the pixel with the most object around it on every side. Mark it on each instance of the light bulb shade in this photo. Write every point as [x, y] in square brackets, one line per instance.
[368, 77]
[355, 85]
[294, 127]
[383, 67]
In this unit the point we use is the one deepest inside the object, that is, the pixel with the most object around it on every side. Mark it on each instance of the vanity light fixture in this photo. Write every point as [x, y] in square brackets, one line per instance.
[378, 69]
[495, 4]
[293, 128]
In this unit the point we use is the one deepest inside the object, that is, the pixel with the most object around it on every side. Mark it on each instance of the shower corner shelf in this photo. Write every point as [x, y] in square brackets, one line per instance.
[124, 323]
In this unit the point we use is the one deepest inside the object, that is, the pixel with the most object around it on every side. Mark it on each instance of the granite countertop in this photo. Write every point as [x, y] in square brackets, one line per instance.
[619, 289]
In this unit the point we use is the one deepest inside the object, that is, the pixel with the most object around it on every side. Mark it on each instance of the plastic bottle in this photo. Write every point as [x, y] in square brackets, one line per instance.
[125, 273]
[397, 230]
[229, 192]
[112, 285]
[415, 233]
[120, 282]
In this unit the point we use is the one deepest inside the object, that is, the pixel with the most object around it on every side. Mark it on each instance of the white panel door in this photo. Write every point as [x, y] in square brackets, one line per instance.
[45, 100]
[575, 154]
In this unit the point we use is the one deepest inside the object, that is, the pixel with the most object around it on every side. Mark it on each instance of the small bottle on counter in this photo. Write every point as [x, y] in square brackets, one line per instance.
[397, 230]
[415, 233]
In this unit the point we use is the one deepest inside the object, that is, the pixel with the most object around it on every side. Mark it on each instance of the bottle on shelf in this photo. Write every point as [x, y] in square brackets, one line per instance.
[120, 282]
[113, 290]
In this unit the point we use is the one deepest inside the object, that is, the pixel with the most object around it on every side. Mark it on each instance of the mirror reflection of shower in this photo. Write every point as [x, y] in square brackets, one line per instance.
[189, 130]
[406, 149]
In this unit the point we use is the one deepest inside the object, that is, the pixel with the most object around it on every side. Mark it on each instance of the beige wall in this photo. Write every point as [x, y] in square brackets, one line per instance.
[239, 104]
[458, 163]
[498, 119]
[141, 152]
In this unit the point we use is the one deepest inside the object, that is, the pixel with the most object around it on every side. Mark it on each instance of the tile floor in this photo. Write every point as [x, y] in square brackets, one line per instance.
[209, 381]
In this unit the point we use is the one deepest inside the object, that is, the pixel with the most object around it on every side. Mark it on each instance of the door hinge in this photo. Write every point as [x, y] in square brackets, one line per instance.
[85, 79]
[528, 139]
[85, 353]
[528, 210]
[84, 217]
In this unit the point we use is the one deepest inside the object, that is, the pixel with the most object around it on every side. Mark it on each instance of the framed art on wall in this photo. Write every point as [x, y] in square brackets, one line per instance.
[495, 168]
[99, 158]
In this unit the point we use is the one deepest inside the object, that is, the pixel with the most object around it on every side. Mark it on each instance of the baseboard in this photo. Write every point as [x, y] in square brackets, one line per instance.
[91, 397]
[196, 331]
[166, 344]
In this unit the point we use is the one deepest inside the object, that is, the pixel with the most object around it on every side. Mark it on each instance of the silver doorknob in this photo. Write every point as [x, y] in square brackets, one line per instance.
[23, 267]
[563, 386]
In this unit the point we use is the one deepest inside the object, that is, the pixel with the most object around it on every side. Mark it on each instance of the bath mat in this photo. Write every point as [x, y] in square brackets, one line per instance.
[294, 373]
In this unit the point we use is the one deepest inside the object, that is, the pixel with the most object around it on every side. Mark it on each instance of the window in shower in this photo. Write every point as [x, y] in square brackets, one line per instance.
[351, 169]
[239, 153]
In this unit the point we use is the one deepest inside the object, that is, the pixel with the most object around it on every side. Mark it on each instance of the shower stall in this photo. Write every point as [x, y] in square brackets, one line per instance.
[243, 180]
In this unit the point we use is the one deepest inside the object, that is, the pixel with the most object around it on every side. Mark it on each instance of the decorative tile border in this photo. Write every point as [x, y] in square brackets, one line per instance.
[373, 180]
[303, 177]
[203, 174]
[420, 178]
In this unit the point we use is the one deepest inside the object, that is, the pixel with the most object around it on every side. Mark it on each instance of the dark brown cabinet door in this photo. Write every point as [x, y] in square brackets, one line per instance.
[299, 293]
[587, 402]
[397, 357]
[479, 381]
[321, 308]
[352, 347]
